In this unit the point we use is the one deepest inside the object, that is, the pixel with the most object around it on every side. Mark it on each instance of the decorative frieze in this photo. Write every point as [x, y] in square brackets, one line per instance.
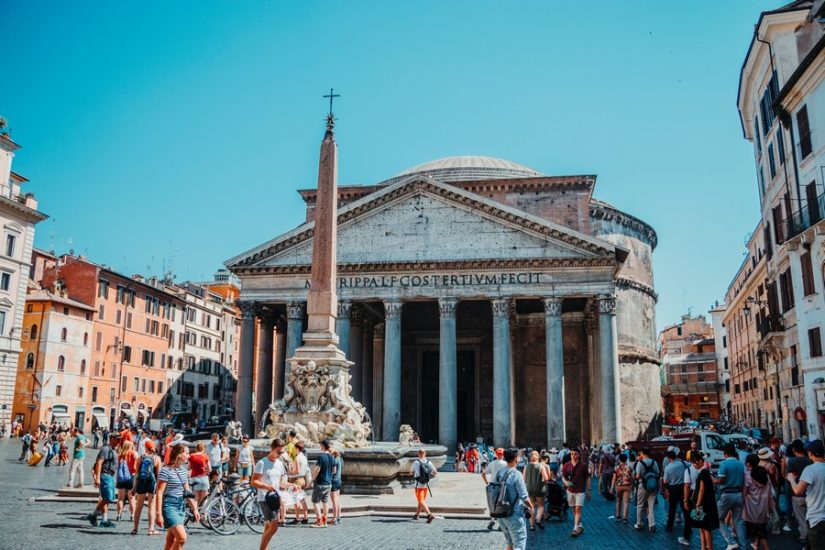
[623, 284]
[603, 211]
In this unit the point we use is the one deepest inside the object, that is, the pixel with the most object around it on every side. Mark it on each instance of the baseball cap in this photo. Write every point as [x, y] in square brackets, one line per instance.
[499, 452]
[149, 446]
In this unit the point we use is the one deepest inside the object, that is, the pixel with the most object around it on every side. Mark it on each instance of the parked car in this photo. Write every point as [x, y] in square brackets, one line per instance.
[710, 443]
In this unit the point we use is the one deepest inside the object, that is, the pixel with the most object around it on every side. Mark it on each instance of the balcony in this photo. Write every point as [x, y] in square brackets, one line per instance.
[770, 324]
[806, 217]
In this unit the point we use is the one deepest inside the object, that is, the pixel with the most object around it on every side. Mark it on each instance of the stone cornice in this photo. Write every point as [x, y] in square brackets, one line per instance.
[29, 214]
[603, 211]
[623, 283]
[417, 267]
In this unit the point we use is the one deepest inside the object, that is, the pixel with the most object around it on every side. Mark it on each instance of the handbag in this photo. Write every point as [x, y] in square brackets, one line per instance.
[774, 523]
[697, 514]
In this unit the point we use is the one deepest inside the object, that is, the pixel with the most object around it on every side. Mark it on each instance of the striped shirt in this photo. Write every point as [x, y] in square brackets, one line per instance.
[175, 479]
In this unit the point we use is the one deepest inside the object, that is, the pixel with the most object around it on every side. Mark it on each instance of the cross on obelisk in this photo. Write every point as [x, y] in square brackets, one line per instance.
[331, 96]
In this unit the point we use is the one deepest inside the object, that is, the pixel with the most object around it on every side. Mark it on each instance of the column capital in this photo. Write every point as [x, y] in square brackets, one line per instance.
[446, 307]
[344, 310]
[552, 306]
[249, 308]
[295, 310]
[501, 307]
[607, 305]
[392, 309]
[356, 315]
[378, 331]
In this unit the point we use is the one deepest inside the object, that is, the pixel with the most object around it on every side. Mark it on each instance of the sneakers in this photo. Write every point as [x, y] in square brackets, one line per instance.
[292, 522]
[489, 525]
[415, 517]
[304, 521]
[732, 547]
[108, 524]
[540, 525]
[316, 525]
[92, 519]
[683, 541]
[430, 518]
[786, 528]
[638, 526]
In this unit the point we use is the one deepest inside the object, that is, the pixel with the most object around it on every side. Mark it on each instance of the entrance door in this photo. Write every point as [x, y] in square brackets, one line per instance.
[428, 390]
[466, 405]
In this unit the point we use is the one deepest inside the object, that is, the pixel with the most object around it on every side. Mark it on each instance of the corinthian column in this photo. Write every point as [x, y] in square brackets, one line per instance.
[447, 377]
[392, 369]
[609, 356]
[243, 397]
[501, 374]
[554, 358]
[294, 329]
[263, 386]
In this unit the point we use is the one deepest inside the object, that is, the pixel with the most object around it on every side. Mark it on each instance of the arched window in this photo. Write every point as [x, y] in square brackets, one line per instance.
[34, 332]
[61, 363]
[63, 334]
[85, 338]
[30, 361]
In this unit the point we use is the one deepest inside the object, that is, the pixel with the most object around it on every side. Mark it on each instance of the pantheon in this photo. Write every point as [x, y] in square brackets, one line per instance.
[478, 299]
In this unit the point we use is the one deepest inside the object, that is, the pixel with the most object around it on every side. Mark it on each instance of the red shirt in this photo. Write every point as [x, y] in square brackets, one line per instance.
[198, 465]
[125, 435]
[575, 474]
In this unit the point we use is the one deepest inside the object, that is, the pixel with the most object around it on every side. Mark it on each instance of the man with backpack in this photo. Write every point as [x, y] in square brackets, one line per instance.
[647, 479]
[507, 497]
[104, 477]
[26, 452]
[423, 472]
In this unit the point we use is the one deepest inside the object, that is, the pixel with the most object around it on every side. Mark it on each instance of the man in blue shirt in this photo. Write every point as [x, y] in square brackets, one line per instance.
[513, 526]
[731, 479]
[322, 484]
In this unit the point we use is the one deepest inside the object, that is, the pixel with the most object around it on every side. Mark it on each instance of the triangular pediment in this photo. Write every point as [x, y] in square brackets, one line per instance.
[422, 220]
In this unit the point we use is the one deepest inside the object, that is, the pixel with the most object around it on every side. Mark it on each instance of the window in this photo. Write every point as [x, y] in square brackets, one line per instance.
[136, 386]
[103, 289]
[100, 311]
[118, 315]
[2, 322]
[724, 341]
[85, 338]
[97, 369]
[807, 274]
[786, 290]
[64, 333]
[726, 363]
[94, 394]
[61, 364]
[771, 161]
[127, 354]
[58, 391]
[151, 386]
[65, 311]
[815, 342]
[123, 382]
[11, 241]
[80, 392]
[160, 387]
[777, 224]
[5, 280]
[780, 145]
[34, 332]
[143, 385]
[804, 127]
[83, 366]
[30, 361]
[114, 371]
[147, 358]
[128, 320]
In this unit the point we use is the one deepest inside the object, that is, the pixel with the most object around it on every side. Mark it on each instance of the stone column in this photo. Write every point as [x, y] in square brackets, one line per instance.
[294, 330]
[263, 385]
[243, 397]
[392, 369]
[447, 376]
[355, 354]
[609, 356]
[502, 424]
[280, 359]
[378, 380]
[554, 357]
[342, 324]
[593, 368]
[366, 359]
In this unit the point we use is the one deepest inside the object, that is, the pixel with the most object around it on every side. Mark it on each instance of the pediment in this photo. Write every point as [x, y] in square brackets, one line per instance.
[421, 220]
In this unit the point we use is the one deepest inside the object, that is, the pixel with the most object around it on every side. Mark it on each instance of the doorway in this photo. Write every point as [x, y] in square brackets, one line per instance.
[466, 398]
[428, 394]
[428, 397]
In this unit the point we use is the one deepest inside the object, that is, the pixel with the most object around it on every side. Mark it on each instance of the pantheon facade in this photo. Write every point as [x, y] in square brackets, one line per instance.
[478, 298]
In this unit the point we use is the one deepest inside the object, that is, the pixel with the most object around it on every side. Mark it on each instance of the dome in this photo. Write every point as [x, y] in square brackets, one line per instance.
[465, 168]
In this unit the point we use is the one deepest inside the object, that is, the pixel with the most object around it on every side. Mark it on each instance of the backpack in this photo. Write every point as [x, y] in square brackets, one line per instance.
[123, 473]
[650, 477]
[27, 439]
[425, 472]
[497, 501]
[146, 473]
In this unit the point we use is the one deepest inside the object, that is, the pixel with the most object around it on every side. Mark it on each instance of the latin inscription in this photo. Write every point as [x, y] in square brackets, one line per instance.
[390, 281]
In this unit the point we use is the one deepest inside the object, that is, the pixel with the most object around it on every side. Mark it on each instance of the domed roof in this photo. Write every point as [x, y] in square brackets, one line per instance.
[471, 168]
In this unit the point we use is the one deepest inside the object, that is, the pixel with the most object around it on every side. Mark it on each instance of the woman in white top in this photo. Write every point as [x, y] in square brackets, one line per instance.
[244, 460]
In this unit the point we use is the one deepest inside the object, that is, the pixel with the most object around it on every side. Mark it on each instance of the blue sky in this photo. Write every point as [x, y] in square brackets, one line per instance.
[158, 133]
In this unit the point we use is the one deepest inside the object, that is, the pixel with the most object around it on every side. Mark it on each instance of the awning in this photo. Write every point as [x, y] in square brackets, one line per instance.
[102, 420]
[61, 418]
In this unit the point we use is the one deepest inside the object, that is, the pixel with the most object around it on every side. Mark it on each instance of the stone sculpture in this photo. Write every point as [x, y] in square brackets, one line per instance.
[234, 431]
[407, 436]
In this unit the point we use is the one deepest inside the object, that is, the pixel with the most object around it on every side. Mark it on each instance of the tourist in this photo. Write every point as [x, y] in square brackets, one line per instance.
[48, 450]
[758, 504]
[514, 526]
[731, 479]
[606, 469]
[489, 474]
[460, 459]
[554, 461]
[647, 488]
[795, 465]
[244, 460]
[104, 478]
[291, 448]
[299, 475]
[26, 452]
[812, 485]
[701, 502]
[63, 449]
[96, 437]
[577, 481]
[270, 476]
[472, 458]
[214, 450]
[199, 471]
[621, 485]
[225, 456]
[173, 486]
[322, 484]
[674, 484]
[535, 477]
[335, 491]
[125, 477]
[423, 472]
[145, 486]
[78, 454]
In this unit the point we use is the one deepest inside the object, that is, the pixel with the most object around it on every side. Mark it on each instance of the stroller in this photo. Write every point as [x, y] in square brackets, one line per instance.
[556, 501]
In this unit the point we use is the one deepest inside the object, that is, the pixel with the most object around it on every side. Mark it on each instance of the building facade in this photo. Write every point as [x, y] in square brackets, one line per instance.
[691, 390]
[720, 338]
[18, 216]
[477, 297]
[782, 109]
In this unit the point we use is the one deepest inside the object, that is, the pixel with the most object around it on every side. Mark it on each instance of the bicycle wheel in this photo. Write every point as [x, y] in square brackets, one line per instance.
[252, 515]
[223, 516]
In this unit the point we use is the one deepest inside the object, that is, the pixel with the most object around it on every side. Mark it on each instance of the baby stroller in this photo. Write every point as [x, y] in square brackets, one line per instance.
[556, 501]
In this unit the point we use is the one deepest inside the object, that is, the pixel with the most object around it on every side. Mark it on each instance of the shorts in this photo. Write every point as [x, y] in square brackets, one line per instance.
[336, 485]
[125, 483]
[756, 530]
[421, 494]
[575, 499]
[173, 511]
[515, 530]
[266, 512]
[320, 493]
[200, 483]
[107, 488]
[145, 487]
[244, 471]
